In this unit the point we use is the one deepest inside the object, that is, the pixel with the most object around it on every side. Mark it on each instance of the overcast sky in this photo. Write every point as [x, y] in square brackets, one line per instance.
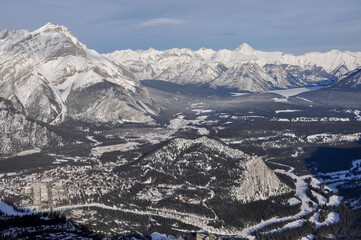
[292, 26]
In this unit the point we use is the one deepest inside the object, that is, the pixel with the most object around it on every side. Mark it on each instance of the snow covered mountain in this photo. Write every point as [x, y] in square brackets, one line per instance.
[209, 162]
[183, 66]
[350, 81]
[253, 78]
[243, 68]
[50, 76]
[345, 92]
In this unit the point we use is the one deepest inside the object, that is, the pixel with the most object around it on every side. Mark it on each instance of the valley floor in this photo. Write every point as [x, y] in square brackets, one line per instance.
[104, 186]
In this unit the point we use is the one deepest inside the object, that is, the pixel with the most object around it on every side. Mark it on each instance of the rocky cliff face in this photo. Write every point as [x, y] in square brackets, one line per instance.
[47, 71]
[259, 182]
[19, 133]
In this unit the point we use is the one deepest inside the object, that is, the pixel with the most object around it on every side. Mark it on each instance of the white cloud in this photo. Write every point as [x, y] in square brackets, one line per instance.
[160, 21]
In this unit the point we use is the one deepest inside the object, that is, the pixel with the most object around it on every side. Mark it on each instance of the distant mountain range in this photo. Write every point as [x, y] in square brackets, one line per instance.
[243, 68]
[50, 76]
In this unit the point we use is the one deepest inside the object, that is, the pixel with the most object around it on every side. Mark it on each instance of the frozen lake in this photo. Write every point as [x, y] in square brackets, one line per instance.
[295, 91]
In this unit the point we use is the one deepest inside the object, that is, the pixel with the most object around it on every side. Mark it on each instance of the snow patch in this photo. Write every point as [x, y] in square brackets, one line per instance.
[286, 111]
[28, 152]
[158, 236]
[280, 99]
[10, 211]
[238, 94]
[295, 91]
[293, 201]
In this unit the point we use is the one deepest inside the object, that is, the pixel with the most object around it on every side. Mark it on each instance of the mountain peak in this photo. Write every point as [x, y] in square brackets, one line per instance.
[53, 28]
[4, 33]
[335, 51]
[244, 47]
[50, 25]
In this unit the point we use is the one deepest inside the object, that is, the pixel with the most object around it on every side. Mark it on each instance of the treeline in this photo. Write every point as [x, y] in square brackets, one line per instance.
[237, 214]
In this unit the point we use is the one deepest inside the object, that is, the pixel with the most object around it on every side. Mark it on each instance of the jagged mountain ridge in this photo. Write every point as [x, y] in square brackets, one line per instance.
[224, 68]
[350, 81]
[51, 76]
[207, 161]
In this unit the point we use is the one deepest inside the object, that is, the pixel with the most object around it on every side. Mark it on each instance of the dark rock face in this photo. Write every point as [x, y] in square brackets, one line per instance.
[19, 133]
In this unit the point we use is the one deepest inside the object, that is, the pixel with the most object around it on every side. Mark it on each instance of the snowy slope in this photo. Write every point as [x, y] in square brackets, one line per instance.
[183, 66]
[350, 81]
[226, 68]
[43, 72]
[344, 92]
[248, 77]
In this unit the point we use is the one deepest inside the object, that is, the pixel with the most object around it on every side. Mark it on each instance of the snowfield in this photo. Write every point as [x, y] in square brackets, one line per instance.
[10, 211]
[333, 138]
[286, 111]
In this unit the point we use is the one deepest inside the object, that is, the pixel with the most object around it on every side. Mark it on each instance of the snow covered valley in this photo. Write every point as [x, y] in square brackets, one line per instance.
[211, 166]
[176, 144]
